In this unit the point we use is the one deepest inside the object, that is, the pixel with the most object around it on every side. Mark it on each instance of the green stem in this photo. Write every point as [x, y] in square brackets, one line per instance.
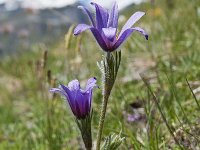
[87, 139]
[110, 68]
[85, 128]
[102, 118]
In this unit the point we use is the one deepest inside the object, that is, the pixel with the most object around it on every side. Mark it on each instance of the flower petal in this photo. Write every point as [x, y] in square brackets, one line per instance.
[101, 16]
[127, 33]
[71, 97]
[110, 33]
[77, 110]
[85, 103]
[63, 90]
[87, 93]
[132, 20]
[91, 83]
[73, 85]
[81, 104]
[80, 28]
[100, 40]
[68, 93]
[113, 16]
[88, 13]
[58, 90]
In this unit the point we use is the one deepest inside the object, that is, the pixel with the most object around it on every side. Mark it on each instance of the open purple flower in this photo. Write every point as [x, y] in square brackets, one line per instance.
[105, 27]
[79, 100]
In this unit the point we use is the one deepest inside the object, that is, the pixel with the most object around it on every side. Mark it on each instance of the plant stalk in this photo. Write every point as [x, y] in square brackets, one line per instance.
[85, 128]
[102, 118]
[109, 68]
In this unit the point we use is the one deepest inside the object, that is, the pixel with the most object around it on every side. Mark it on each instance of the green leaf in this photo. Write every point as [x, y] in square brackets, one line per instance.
[112, 142]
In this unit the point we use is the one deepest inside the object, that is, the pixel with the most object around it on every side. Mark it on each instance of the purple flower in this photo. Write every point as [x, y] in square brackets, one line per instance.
[134, 118]
[105, 27]
[79, 100]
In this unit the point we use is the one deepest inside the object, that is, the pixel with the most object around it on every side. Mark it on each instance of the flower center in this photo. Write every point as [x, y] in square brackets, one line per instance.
[110, 33]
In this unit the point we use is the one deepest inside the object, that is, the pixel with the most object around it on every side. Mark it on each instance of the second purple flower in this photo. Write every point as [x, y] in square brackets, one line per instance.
[79, 100]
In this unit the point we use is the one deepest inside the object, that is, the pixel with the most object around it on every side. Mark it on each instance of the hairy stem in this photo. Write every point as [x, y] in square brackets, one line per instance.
[102, 118]
[109, 67]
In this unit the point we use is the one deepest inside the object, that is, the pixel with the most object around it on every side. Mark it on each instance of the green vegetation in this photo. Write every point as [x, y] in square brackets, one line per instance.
[167, 94]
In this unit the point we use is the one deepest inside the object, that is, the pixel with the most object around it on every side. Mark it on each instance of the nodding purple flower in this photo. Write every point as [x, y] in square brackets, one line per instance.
[79, 100]
[105, 27]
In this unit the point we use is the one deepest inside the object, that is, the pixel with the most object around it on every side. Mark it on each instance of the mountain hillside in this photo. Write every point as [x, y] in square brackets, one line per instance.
[21, 28]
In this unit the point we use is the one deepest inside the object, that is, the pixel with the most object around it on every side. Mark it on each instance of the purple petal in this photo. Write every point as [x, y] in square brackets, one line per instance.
[110, 33]
[58, 90]
[101, 16]
[100, 40]
[73, 85]
[87, 106]
[75, 98]
[80, 28]
[133, 117]
[91, 83]
[90, 99]
[132, 20]
[82, 103]
[127, 33]
[63, 90]
[88, 13]
[77, 111]
[69, 96]
[142, 32]
[113, 16]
